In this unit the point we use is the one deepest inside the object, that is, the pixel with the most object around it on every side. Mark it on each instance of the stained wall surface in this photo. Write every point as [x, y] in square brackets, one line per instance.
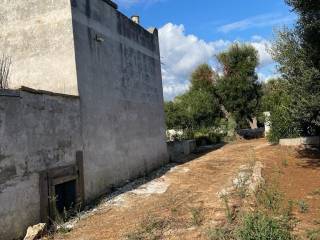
[120, 86]
[37, 35]
[71, 47]
[37, 132]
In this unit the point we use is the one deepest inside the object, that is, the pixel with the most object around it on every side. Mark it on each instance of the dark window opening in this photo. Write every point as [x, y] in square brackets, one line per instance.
[65, 196]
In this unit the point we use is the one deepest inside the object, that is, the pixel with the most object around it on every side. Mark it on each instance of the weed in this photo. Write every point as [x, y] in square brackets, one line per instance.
[263, 227]
[151, 228]
[241, 186]
[173, 210]
[285, 163]
[220, 234]
[313, 234]
[229, 214]
[196, 216]
[316, 192]
[303, 206]
[269, 197]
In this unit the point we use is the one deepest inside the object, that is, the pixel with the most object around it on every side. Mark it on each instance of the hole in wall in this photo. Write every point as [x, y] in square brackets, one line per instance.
[65, 196]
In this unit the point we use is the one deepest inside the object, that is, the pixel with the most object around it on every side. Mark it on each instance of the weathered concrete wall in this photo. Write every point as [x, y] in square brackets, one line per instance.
[119, 79]
[37, 132]
[178, 150]
[315, 141]
[37, 34]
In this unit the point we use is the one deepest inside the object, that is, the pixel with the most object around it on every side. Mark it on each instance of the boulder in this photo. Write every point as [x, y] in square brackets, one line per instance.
[34, 232]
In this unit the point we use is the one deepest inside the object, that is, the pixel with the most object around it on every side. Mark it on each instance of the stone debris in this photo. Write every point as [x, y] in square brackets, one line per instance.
[35, 232]
[180, 169]
[256, 178]
[157, 186]
[248, 177]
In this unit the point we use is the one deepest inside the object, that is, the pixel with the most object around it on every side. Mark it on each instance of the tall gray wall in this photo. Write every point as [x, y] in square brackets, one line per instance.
[37, 34]
[37, 132]
[120, 87]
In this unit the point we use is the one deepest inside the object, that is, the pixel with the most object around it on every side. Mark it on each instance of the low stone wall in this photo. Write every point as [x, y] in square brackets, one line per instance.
[180, 149]
[300, 141]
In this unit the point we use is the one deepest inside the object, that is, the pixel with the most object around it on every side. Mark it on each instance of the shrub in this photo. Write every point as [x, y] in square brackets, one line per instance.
[269, 198]
[282, 125]
[220, 234]
[259, 226]
[206, 136]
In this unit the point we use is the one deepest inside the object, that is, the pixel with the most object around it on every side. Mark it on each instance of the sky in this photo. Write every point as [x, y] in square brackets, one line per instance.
[192, 32]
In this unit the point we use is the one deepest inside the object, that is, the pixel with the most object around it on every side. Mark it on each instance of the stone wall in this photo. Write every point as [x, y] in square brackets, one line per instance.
[37, 34]
[37, 132]
[120, 87]
[71, 46]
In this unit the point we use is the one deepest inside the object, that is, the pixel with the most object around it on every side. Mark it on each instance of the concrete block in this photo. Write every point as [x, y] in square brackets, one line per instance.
[314, 141]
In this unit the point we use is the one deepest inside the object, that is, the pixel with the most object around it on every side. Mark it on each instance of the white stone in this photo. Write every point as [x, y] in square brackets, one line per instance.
[35, 231]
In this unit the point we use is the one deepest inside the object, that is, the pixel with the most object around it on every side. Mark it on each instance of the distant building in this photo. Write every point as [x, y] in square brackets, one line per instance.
[96, 117]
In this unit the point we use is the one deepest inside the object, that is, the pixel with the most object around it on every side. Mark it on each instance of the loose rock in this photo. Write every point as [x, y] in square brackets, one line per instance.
[34, 232]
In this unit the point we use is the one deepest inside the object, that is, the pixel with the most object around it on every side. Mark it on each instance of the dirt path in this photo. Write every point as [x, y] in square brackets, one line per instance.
[185, 199]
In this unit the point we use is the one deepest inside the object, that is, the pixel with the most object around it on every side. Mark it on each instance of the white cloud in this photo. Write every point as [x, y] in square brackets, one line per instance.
[182, 53]
[263, 46]
[259, 21]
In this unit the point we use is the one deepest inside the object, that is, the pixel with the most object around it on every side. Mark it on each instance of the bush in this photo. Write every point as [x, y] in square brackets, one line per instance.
[220, 234]
[207, 136]
[258, 226]
[282, 125]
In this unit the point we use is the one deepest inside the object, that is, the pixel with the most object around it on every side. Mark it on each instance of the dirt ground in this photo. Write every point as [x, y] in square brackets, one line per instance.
[297, 173]
[185, 200]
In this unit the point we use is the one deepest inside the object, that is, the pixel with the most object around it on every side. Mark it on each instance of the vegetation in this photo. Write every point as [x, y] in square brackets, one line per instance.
[297, 52]
[259, 226]
[197, 108]
[196, 216]
[214, 106]
[5, 65]
[239, 89]
[151, 229]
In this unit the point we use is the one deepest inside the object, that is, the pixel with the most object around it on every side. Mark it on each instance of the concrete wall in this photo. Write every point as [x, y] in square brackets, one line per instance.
[37, 34]
[37, 132]
[120, 86]
[315, 141]
[178, 150]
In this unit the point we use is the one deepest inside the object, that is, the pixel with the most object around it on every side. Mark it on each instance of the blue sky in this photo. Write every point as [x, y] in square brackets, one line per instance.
[193, 31]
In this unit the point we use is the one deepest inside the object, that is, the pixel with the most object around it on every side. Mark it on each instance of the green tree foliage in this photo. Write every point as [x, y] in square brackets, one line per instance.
[297, 52]
[239, 89]
[276, 99]
[203, 79]
[198, 107]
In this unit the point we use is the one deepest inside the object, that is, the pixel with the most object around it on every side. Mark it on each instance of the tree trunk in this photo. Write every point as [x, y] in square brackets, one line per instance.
[253, 123]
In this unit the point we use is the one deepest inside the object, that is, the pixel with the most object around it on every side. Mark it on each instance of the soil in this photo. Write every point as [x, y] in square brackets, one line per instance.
[297, 173]
[185, 197]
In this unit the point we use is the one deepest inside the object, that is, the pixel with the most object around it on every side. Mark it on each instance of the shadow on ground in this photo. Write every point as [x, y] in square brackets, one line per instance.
[309, 158]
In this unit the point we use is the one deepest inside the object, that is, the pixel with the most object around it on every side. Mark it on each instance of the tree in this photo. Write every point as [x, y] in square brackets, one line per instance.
[198, 107]
[239, 89]
[297, 52]
[203, 78]
[5, 64]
